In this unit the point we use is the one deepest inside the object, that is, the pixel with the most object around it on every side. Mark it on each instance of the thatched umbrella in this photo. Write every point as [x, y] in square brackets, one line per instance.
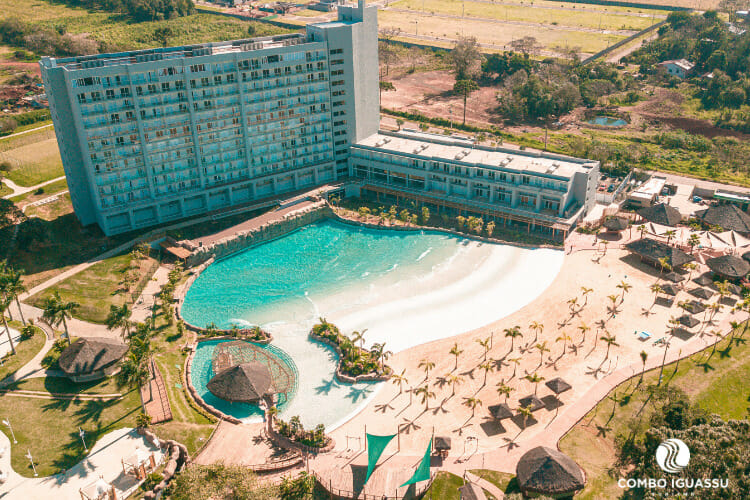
[701, 293]
[558, 385]
[674, 277]
[89, 355]
[533, 401]
[545, 471]
[729, 266]
[501, 411]
[704, 279]
[615, 224]
[728, 217]
[669, 289]
[688, 321]
[245, 383]
[661, 214]
[696, 307]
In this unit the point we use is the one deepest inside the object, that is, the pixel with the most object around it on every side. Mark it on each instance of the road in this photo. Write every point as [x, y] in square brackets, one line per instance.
[19, 190]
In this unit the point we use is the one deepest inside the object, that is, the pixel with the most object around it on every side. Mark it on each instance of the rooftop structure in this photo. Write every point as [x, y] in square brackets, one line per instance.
[680, 68]
[653, 251]
[661, 214]
[648, 193]
[544, 471]
[728, 216]
[246, 383]
[91, 358]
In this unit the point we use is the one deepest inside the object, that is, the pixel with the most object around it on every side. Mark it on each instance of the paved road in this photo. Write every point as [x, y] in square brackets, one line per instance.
[19, 190]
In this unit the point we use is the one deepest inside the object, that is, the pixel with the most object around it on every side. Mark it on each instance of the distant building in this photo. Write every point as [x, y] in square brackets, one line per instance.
[681, 68]
[648, 193]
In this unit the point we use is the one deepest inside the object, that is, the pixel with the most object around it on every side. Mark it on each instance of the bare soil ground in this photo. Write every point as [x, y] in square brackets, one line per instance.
[30, 67]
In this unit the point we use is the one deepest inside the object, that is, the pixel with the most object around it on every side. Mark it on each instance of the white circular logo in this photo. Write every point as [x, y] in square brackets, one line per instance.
[672, 455]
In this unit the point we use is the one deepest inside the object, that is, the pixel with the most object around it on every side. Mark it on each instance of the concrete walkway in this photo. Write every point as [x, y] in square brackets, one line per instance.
[103, 460]
[19, 190]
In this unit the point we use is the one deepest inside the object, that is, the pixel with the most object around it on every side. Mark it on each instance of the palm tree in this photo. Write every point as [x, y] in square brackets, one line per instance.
[565, 338]
[485, 345]
[378, 350]
[426, 394]
[535, 379]
[516, 362]
[57, 311]
[670, 234]
[426, 366]
[118, 317]
[583, 327]
[644, 357]
[527, 414]
[642, 229]
[487, 367]
[454, 380]
[673, 324]
[504, 390]
[625, 287]
[465, 87]
[537, 327]
[472, 403]
[693, 240]
[656, 289]
[585, 292]
[613, 299]
[542, 348]
[572, 303]
[690, 266]
[12, 286]
[664, 264]
[400, 380]
[4, 305]
[359, 337]
[513, 333]
[456, 352]
[610, 340]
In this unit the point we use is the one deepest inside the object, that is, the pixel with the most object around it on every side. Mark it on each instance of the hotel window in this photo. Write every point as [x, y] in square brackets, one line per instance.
[81, 98]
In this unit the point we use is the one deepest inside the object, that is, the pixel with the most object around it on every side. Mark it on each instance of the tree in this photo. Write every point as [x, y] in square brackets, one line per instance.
[386, 86]
[486, 367]
[610, 340]
[426, 365]
[535, 379]
[516, 362]
[504, 390]
[472, 403]
[163, 34]
[359, 337]
[400, 380]
[656, 290]
[537, 327]
[583, 328]
[565, 338]
[4, 304]
[465, 87]
[399, 123]
[485, 343]
[644, 357]
[490, 228]
[625, 287]
[465, 58]
[542, 348]
[119, 317]
[513, 333]
[526, 412]
[11, 286]
[57, 311]
[454, 380]
[363, 212]
[456, 352]
[426, 394]
[585, 292]
[425, 215]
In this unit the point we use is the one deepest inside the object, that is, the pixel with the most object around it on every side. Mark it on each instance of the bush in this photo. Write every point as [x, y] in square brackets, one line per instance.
[49, 361]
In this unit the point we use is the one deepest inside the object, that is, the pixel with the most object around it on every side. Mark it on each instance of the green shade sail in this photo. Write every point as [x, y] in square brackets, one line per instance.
[375, 447]
[423, 471]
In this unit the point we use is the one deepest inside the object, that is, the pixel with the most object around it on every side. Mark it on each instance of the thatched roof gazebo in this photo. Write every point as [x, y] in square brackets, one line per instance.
[728, 217]
[661, 214]
[531, 401]
[674, 277]
[545, 471]
[615, 224]
[669, 289]
[688, 321]
[701, 293]
[696, 306]
[729, 267]
[653, 251]
[704, 280]
[91, 358]
[243, 383]
[500, 411]
[558, 385]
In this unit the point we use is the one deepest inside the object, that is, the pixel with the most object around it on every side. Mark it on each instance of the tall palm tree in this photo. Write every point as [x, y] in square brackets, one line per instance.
[504, 390]
[693, 240]
[625, 287]
[487, 367]
[535, 379]
[610, 340]
[644, 357]
[527, 414]
[119, 317]
[656, 289]
[426, 365]
[4, 305]
[57, 311]
[513, 333]
[583, 328]
[359, 337]
[642, 229]
[542, 348]
[537, 327]
[472, 403]
[485, 343]
[572, 303]
[454, 380]
[670, 234]
[585, 292]
[565, 338]
[426, 394]
[664, 265]
[516, 362]
[400, 380]
[673, 324]
[12, 286]
[690, 266]
[456, 352]
[381, 354]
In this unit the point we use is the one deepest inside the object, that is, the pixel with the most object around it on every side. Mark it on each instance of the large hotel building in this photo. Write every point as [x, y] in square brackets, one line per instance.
[157, 135]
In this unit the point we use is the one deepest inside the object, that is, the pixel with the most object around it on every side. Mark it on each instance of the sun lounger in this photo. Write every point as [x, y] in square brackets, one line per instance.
[644, 336]
[659, 341]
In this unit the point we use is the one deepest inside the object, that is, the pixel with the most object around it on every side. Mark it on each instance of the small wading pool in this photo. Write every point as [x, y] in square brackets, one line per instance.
[607, 121]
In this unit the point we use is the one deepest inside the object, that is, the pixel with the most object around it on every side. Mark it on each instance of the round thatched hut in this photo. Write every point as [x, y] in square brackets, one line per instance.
[543, 471]
[729, 267]
[243, 383]
[91, 358]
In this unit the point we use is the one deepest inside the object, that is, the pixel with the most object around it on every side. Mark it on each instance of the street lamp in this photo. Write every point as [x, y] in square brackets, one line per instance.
[31, 459]
[83, 439]
[7, 423]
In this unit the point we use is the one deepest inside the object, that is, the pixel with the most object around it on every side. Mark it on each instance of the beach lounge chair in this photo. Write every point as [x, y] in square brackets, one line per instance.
[659, 341]
[644, 336]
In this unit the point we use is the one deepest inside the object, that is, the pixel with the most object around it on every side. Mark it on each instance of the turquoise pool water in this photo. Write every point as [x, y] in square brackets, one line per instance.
[607, 121]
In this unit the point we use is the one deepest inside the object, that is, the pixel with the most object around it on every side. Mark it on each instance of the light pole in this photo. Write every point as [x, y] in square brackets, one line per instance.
[31, 459]
[7, 423]
[416, 28]
[83, 439]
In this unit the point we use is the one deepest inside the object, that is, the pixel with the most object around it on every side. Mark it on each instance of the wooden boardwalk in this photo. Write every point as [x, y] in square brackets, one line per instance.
[154, 396]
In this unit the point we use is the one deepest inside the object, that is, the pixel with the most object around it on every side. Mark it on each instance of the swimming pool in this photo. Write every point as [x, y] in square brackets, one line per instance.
[405, 287]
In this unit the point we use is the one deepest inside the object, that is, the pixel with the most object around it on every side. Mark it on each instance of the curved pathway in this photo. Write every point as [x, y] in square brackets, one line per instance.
[19, 190]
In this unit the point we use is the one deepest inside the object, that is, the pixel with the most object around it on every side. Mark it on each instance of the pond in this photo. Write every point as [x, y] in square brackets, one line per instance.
[607, 121]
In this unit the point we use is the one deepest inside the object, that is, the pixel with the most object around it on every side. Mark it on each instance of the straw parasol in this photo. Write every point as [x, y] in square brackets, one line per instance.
[704, 279]
[558, 385]
[245, 383]
[501, 411]
[615, 224]
[696, 306]
[728, 217]
[729, 266]
[533, 401]
[661, 214]
[701, 293]
[669, 289]
[674, 277]
[545, 471]
[688, 321]
[89, 355]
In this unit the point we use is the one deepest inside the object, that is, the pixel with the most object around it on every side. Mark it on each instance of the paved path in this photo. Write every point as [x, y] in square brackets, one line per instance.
[154, 396]
[26, 131]
[145, 303]
[486, 485]
[103, 460]
[19, 190]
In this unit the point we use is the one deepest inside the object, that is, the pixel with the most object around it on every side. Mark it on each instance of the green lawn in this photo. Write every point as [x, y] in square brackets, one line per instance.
[506, 482]
[49, 428]
[445, 487]
[44, 192]
[4, 190]
[25, 350]
[52, 210]
[62, 385]
[717, 382]
[33, 158]
[98, 287]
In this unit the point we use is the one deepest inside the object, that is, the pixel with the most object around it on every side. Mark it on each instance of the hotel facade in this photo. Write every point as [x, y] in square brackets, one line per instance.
[157, 135]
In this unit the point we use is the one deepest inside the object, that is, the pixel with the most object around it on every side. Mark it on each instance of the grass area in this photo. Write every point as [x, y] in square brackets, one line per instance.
[4, 190]
[33, 157]
[25, 350]
[506, 482]
[494, 33]
[717, 381]
[49, 428]
[118, 32]
[549, 15]
[62, 385]
[445, 487]
[98, 287]
[43, 192]
[53, 210]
